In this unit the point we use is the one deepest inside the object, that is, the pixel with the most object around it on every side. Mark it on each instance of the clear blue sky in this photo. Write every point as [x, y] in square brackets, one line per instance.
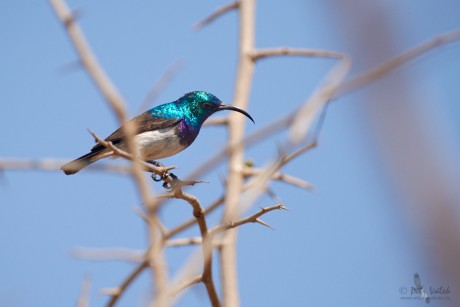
[349, 243]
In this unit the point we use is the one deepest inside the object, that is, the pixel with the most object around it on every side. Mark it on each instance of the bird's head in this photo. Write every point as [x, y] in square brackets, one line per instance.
[203, 104]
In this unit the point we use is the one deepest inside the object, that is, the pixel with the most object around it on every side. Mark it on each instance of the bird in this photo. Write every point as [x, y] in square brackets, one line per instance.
[162, 131]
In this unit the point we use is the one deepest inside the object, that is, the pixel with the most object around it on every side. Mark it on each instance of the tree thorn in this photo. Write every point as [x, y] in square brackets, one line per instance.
[263, 223]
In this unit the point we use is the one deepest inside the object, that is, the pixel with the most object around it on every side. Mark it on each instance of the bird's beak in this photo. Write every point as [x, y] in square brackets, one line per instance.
[232, 108]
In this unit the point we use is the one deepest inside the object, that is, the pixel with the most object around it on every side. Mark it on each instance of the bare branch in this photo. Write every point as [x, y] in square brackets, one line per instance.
[104, 254]
[118, 106]
[125, 284]
[190, 241]
[198, 213]
[190, 269]
[55, 165]
[219, 12]
[370, 76]
[252, 171]
[307, 113]
[87, 58]
[185, 285]
[243, 84]
[83, 300]
[298, 152]
[248, 141]
[184, 242]
[192, 221]
[278, 125]
[335, 86]
[286, 51]
[250, 219]
[217, 121]
[157, 262]
[160, 85]
[106, 87]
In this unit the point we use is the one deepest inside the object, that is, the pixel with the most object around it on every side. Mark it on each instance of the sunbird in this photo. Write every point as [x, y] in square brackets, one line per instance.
[162, 131]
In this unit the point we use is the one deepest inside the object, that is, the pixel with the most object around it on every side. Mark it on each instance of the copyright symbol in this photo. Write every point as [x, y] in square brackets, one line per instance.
[403, 290]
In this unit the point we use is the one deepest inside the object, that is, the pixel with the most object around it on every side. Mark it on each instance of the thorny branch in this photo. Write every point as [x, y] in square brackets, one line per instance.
[117, 292]
[255, 218]
[243, 84]
[119, 107]
[105, 85]
[380, 71]
[199, 214]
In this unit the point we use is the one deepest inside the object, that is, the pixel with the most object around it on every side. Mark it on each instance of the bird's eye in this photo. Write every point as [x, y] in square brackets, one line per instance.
[206, 105]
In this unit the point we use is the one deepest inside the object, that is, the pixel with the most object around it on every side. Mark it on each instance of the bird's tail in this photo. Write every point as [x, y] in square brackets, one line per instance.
[76, 165]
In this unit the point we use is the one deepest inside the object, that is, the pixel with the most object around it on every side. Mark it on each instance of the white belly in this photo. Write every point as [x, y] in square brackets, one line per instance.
[158, 144]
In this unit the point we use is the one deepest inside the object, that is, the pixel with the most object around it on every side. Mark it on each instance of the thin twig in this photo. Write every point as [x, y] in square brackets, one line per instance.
[286, 51]
[246, 171]
[248, 141]
[55, 165]
[216, 14]
[104, 254]
[251, 171]
[155, 255]
[178, 229]
[370, 76]
[297, 153]
[160, 85]
[125, 284]
[250, 219]
[185, 285]
[87, 58]
[83, 300]
[217, 121]
[190, 269]
[184, 242]
[198, 213]
[106, 87]
[306, 114]
[115, 101]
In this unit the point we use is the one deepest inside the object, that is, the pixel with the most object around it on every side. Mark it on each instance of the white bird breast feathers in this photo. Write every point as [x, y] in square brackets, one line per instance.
[159, 144]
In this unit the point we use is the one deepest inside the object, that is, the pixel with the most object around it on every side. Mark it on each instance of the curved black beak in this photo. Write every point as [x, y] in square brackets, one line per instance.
[232, 108]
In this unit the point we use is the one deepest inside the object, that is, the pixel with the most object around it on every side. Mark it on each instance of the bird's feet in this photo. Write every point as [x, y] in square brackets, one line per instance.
[156, 163]
[172, 184]
[170, 181]
[157, 177]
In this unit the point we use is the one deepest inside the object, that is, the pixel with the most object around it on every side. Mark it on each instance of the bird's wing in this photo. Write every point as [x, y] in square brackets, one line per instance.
[144, 122]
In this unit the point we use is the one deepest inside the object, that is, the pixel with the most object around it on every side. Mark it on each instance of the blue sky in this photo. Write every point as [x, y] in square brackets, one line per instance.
[351, 242]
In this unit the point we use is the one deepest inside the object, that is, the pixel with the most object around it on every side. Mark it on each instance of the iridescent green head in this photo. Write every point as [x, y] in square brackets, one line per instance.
[200, 105]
